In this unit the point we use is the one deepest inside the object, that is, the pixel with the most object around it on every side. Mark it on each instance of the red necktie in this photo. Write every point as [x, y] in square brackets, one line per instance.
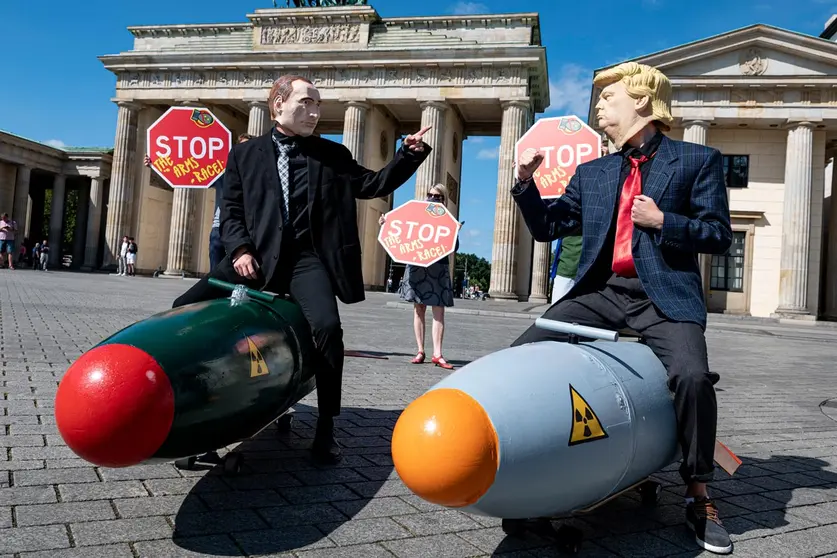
[623, 260]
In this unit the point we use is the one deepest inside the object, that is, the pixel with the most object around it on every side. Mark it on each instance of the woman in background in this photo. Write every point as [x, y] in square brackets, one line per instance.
[429, 286]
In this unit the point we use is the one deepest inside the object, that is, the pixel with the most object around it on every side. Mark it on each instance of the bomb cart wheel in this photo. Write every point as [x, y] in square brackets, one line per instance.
[232, 463]
[284, 423]
[568, 539]
[186, 464]
[514, 527]
[649, 493]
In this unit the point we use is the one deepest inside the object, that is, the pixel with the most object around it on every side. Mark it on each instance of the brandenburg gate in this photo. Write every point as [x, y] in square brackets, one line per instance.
[380, 79]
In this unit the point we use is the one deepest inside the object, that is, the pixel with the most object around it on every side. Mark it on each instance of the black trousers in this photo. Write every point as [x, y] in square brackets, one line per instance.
[680, 346]
[301, 275]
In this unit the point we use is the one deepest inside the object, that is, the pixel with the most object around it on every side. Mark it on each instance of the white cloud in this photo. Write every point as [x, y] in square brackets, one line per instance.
[569, 93]
[55, 143]
[474, 232]
[489, 153]
[469, 8]
[476, 139]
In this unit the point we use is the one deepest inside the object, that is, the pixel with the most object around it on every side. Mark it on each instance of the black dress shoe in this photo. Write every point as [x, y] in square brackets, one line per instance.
[325, 448]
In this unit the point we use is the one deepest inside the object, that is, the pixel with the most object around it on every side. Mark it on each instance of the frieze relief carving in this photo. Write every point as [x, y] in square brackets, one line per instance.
[310, 34]
[752, 62]
[333, 77]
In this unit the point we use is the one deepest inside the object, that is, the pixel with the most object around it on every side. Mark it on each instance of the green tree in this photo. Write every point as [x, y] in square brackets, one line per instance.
[478, 269]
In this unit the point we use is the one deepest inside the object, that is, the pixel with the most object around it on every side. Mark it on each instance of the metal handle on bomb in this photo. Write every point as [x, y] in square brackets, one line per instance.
[258, 295]
[577, 330]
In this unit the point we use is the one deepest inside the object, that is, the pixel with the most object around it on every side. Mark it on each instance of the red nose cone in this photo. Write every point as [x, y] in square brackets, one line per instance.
[115, 406]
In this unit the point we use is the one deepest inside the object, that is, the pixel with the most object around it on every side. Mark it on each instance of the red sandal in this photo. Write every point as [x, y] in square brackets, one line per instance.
[419, 358]
[441, 362]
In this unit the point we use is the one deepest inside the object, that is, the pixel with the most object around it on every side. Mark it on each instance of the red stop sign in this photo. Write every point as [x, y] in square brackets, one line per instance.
[565, 142]
[188, 147]
[419, 233]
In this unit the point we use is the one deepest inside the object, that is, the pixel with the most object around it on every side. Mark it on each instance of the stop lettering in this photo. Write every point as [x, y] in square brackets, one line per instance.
[565, 143]
[419, 233]
[188, 147]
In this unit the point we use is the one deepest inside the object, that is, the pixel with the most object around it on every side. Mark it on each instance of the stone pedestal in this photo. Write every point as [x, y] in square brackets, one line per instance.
[122, 182]
[94, 217]
[179, 258]
[56, 220]
[20, 207]
[506, 217]
[796, 223]
[430, 172]
[259, 121]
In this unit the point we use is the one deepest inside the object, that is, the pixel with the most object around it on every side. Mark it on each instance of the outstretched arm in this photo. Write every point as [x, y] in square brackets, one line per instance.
[706, 229]
[547, 220]
[367, 184]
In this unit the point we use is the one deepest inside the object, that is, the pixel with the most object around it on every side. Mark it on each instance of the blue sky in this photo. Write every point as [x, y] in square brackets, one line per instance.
[55, 90]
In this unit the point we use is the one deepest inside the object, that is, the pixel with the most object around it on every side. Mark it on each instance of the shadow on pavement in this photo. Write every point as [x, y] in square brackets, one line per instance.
[765, 496]
[281, 501]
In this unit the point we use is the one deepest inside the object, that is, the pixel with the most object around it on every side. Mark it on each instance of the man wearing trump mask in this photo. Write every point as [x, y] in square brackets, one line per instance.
[645, 212]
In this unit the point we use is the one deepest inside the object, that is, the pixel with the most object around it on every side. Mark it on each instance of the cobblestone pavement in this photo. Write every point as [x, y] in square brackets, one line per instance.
[782, 502]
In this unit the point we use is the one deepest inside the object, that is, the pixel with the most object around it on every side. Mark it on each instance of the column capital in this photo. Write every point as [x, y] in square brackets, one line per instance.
[255, 103]
[520, 102]
[700, 122]
[359, 103]
[794, 124]
[128, 104]
[438, 104]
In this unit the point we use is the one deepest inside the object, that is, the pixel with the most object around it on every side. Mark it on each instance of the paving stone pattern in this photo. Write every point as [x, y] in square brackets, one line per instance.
[782, 502]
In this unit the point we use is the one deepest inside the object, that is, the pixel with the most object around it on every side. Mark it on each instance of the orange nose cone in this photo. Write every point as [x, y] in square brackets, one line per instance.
[445, 448]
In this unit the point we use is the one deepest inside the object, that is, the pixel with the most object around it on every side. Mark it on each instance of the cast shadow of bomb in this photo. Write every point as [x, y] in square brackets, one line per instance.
[762, 498]
[281, 501]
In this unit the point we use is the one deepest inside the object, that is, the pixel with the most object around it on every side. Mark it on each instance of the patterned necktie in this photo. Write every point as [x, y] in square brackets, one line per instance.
[284, 179]
[623, 260]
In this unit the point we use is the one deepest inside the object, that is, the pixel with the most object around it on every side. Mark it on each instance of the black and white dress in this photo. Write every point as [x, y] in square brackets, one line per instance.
[428, 285]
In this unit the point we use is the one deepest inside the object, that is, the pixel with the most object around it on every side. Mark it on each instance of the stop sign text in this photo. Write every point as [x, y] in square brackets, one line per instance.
[189, 147]
[419, 233]
[565, 143]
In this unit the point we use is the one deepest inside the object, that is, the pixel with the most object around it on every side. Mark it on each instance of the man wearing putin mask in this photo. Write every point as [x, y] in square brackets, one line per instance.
[289, 226]
[645, 213]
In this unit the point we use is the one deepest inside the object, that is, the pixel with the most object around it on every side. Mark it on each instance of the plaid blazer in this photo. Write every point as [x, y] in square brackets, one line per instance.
[686, 182]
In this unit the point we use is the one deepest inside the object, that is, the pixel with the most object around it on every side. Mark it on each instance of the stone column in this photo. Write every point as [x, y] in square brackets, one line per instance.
[830, 283]
[694, 131]
[20, 206]
[540, 273]
[79, 235]
[56, 220]
[354, 134]
[122, 181]
[181, 226]
[94, 217]
[354, 128]
[796, 222]
[259, 121]
[180, 232]
[430, 172]
[506, 217]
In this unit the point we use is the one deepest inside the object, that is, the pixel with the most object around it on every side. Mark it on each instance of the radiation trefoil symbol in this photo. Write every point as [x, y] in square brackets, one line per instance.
[586, 426]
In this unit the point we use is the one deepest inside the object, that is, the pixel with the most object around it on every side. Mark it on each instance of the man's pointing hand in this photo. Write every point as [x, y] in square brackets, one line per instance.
[414, 141]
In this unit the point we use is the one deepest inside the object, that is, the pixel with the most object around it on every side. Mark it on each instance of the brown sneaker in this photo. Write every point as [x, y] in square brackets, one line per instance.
[702, 518]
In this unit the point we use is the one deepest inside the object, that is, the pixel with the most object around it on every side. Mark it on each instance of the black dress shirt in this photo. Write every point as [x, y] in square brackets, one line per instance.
[299, 228]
